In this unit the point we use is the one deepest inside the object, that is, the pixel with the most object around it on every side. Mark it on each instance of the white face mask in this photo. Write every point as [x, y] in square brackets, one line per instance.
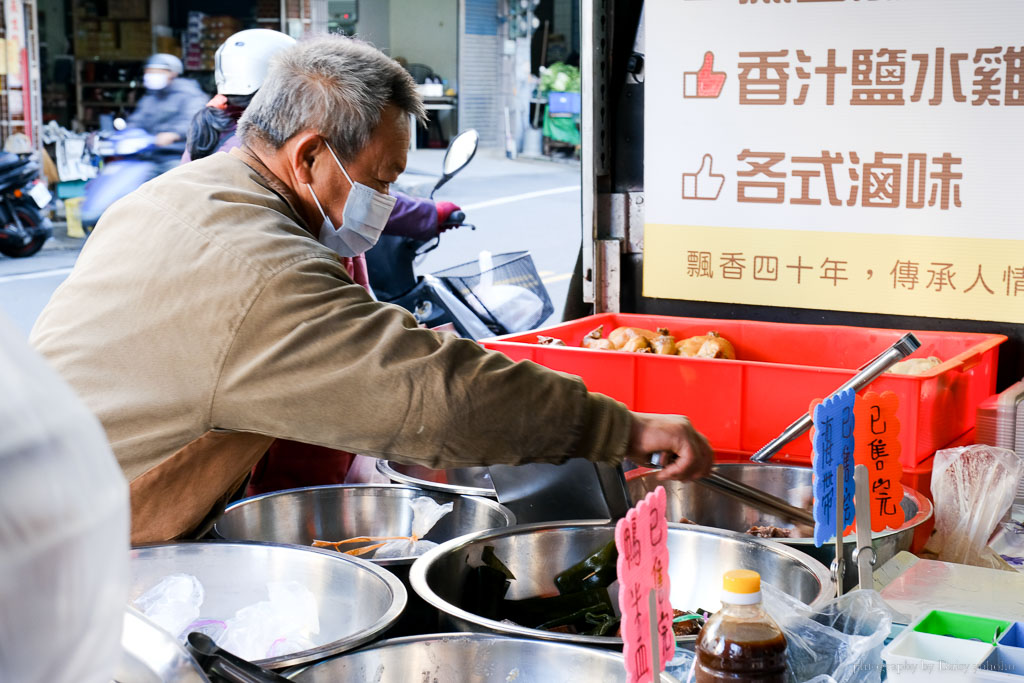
[155, 80]
[363, 218]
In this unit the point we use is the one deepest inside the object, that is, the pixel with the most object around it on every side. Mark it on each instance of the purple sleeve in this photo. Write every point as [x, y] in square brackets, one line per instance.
[412, 217]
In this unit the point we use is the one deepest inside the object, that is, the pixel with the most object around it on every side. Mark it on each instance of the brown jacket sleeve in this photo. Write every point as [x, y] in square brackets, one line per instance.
[315, 359]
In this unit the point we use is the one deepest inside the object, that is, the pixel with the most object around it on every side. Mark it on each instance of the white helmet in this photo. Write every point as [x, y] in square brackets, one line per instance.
[243, 59]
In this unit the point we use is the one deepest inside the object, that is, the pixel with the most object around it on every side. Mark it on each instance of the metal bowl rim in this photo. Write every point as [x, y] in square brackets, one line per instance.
[925, 509]
[468, 636]
[491, 503]
[418, 576]
[384, 467]
[399, 598]
[464, 636]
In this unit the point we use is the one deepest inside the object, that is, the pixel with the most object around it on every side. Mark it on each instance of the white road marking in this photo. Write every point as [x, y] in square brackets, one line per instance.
[520, 197]
[38, 275]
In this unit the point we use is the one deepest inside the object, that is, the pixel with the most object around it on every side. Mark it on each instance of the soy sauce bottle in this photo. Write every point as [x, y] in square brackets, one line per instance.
[740, 643]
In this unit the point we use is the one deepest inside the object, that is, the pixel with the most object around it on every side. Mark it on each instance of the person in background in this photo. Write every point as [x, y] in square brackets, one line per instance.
[241, 64]
[169, 104]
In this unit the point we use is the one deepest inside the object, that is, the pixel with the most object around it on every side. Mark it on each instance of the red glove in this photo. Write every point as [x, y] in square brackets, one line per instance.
[444, 211]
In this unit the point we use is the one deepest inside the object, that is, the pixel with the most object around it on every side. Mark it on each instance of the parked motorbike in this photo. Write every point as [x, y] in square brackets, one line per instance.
[130, 158]
[23, 228]
[497, 295]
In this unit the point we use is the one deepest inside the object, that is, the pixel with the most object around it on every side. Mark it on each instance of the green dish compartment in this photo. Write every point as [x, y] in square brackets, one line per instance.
[962, 626]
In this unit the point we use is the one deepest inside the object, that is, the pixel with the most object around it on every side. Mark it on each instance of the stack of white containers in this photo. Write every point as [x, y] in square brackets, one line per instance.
[1000, 422]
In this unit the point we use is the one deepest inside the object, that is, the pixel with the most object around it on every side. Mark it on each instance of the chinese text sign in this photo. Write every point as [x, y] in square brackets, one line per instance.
[641, 538]
[872, 168]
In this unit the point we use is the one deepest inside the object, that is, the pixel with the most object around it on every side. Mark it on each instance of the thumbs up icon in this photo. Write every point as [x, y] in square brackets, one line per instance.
[705, 82]
[703, 184]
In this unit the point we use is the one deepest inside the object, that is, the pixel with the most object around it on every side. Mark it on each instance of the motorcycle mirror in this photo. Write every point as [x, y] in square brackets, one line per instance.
[460, 152]
[119, 124]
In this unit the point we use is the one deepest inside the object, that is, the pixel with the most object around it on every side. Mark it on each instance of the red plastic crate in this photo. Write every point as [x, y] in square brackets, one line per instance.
[743, 404]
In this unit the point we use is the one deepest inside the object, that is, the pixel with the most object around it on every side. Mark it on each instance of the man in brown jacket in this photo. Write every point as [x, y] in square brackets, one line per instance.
[204, 318]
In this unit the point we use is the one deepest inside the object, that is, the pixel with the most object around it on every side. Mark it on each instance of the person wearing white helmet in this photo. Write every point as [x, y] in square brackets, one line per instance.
[169, 103]
[241, 64]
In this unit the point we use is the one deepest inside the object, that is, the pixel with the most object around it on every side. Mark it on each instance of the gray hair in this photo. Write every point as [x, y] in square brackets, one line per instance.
[334, 85]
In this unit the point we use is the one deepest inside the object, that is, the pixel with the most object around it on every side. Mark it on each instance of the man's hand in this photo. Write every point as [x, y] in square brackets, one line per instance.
[673, 433]
[164, 139]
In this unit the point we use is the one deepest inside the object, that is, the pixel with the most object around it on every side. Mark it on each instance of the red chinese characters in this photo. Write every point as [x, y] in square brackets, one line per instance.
[642, 541]
[878, 448]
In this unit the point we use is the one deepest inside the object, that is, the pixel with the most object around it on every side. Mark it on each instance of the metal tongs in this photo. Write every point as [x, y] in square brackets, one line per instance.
[867, 374]
[747, 494]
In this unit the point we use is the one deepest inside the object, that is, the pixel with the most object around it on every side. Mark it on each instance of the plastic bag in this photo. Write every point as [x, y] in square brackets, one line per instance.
[63, 528]
[973, 487]
[425, 514]
[842, 640]
[281, 625]
[173, 604]
[516, 308]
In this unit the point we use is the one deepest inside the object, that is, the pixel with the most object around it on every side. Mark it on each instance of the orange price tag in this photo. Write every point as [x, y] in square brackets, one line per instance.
[878, 448]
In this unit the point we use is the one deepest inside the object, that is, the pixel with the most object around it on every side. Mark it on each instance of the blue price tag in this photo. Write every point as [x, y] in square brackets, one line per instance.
[833, 446]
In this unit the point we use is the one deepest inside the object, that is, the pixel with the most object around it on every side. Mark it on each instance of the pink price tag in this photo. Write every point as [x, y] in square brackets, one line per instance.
[641, 538]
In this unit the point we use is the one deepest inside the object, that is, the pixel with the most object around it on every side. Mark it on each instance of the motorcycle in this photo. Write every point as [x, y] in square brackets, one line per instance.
[23, 228]
[130, 158]
[498, 295]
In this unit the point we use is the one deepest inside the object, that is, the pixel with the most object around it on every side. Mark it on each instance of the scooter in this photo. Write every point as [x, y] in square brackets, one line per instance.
[23, 228]
[450, 299]
[130, 158]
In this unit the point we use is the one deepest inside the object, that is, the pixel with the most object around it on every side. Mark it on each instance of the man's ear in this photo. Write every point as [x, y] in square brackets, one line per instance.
[305, 148]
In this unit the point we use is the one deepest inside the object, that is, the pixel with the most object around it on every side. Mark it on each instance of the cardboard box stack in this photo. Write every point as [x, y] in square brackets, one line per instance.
[204, 35]
[136, 39]
[124, 32]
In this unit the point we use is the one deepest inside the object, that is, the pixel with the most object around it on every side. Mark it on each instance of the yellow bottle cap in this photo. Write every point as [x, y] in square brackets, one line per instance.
[742, 581]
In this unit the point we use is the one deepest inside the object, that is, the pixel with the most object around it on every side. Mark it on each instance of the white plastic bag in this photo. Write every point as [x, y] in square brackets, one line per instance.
[842, 640]
[973, 487]
[425, 514]
[281, 625]
[173, 604]
[516, 308]
[63, 528]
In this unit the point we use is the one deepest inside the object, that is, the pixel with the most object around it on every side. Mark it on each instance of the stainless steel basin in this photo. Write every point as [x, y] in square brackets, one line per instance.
[535, 553]
[356, 600]
[335, 513]
[708, 507]
[468, 658]
[466, 481]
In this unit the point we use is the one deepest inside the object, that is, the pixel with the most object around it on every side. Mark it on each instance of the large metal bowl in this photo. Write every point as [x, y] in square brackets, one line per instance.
[468, 658]
[357, 601]
[465, 481]
[707, 506]
[334, 513]
[535, 553]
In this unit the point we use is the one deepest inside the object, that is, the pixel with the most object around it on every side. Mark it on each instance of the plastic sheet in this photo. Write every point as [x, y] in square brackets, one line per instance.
[281, 625]
[63, 528]
[973, 487]
[841, 642]
[173, 604]
[426, 512]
